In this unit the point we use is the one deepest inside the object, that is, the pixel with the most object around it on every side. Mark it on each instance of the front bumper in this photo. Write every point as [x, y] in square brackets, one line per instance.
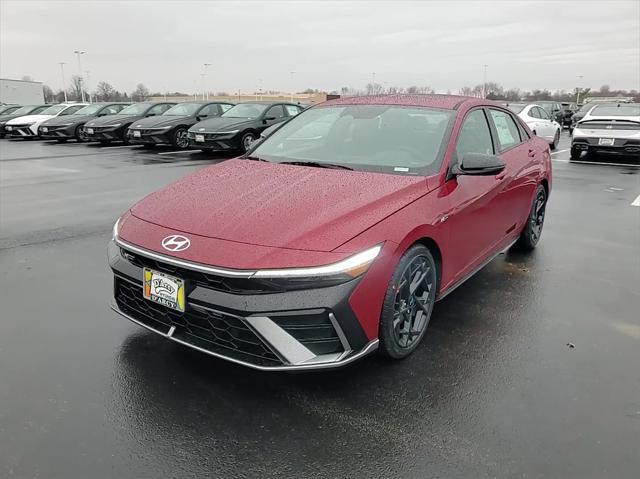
[56, 132]
[20, 131]
[213, 141]
[231, 319]
[150, 136]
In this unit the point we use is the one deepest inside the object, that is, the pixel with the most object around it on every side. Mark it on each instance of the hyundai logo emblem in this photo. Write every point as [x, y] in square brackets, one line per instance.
[176, 243]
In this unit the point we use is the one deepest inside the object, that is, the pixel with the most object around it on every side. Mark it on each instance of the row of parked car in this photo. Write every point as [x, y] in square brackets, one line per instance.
[205, 125]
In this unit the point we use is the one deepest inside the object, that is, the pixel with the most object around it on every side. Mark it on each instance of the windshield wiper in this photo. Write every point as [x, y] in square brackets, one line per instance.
[255, 158]
[317, 164]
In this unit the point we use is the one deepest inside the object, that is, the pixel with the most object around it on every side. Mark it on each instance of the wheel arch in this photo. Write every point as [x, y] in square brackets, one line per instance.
[435, 251]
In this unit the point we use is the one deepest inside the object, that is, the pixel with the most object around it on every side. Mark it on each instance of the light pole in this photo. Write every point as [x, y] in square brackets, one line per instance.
[579, 83]
[292, 73]
[64, 88]
[373, 82]
[88, 84]
[204, 76]
[484, 81]
[78, 53]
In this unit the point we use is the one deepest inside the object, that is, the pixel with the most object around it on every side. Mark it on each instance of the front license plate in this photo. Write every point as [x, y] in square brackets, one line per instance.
[164, 289]
[200, 138]
[45, 129]
[89, 131]
[136, 133]
[606, 141]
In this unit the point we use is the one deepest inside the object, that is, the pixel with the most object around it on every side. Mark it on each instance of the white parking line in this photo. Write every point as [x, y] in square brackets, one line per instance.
[602, 163]
[179, 152]
[118, 147]
[558, 151]
[636, 202]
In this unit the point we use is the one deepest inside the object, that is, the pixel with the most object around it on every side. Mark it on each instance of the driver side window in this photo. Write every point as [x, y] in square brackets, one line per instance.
[474, 135]
[275, 111]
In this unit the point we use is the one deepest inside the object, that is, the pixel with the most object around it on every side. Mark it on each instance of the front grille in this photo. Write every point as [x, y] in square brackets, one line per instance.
[210, 330]
[210, 281]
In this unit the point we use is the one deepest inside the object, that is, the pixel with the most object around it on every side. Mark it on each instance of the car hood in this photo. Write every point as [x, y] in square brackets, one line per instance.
[110, 119]
[29, 119]
[284, 206]
[4, 118]
[220, 124]
[160, 121]
[63, 120]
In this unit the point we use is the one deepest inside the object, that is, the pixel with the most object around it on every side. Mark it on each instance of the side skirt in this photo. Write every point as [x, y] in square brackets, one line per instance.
[450, 289]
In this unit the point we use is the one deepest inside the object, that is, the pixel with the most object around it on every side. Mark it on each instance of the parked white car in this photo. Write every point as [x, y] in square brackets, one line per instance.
[27, 126]
[539, 121]
[608, 128]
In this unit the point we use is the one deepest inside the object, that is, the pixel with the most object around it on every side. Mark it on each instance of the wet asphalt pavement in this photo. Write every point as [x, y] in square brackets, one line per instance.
[496, 390]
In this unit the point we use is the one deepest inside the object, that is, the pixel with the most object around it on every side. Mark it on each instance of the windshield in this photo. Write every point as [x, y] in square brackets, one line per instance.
[383, 138]
[54, 110]
[516, 107]
[7, 109]
[135, 109]
[184, 109]
[626, 109]
[245, 110]
[88, 110]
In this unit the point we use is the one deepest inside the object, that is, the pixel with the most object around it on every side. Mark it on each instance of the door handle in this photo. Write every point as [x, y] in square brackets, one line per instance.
[501, 176]
[532, 153]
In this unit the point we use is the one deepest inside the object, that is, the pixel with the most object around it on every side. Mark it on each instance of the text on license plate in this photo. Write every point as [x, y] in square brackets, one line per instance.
[89, 131]
[606, 141]
[164, 289]
[200, 138]
[136, 133]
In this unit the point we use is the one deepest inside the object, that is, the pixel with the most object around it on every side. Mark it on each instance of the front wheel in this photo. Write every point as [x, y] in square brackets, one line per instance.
[408, 303]
[246, 141]
[181, 138]
[78, 135]
[533, 229]
[556, 140]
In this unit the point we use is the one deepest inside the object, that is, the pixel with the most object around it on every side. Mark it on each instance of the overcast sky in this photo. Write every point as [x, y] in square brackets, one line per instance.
[164, 44]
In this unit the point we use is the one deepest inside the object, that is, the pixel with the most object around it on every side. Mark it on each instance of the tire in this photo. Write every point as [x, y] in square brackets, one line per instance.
[105, 142]
[556, 140]
[405, 316]
[575, 154]
[535, 221]
[246, 141]
[78, 135]
[180, 138]
[125, 138]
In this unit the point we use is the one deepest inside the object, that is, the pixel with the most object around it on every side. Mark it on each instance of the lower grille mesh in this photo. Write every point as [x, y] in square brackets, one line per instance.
[210, 330]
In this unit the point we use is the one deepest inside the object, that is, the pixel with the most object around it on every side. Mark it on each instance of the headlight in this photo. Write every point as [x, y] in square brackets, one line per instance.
[352, 267]
[65, 124]
[116, 228]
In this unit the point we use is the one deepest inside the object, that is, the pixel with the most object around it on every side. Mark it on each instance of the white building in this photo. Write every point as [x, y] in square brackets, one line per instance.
[21, 92]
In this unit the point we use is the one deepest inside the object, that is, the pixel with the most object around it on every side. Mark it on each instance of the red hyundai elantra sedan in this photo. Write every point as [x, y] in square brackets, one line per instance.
[336, 234]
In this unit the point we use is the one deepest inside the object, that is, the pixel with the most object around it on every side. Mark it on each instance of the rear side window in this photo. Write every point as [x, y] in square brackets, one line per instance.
[542, 114]
[292, 110]
[506, 128]
[533, 112]
[474, 136]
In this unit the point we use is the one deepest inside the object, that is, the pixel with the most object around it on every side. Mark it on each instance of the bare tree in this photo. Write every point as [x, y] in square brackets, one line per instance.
[105, 92]
[75, 92]
[140, 93]
[49, 97]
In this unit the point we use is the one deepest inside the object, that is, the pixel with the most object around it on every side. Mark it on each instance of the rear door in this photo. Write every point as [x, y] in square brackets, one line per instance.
[515, 148]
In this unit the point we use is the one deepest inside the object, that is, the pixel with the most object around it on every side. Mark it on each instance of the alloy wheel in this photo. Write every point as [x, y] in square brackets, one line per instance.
[537, 216]
[246, 141]
[413, 301]
[182, 138]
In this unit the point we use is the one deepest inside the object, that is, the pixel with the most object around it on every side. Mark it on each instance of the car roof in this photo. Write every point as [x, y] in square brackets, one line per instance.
[266, 102]
[446, 102]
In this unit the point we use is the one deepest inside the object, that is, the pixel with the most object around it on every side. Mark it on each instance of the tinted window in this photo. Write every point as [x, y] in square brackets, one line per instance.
[542, 113]
[71, 110]
[474, 136]
[508, 133]
[209, 110]
[276, 111]
[381, 138]
[159, 109]
[292, 110]
[627, 109]
[533, 112]
[245, 110]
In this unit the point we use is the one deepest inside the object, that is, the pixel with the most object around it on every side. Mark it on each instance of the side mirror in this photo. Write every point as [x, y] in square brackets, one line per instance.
[269, 118]
[201, 117]
[150, 114]
[478, 164]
